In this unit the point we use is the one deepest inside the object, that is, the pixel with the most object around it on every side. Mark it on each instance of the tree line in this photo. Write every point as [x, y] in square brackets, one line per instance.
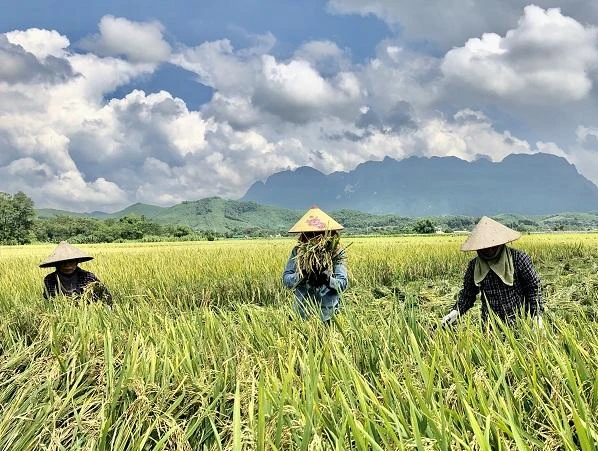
[20, 225]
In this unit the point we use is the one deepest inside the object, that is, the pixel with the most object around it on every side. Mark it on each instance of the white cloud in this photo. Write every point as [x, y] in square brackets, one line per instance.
[546, 59]
[41, 43]
[398, 75]
[219, 66]
[141, 42]
[69, 145]
[19, 66]
[449, 23]
[327, 57]
[297, 92]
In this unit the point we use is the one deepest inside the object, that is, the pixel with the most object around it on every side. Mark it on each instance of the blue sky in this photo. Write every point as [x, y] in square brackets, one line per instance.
[109, 103]
[292, 22]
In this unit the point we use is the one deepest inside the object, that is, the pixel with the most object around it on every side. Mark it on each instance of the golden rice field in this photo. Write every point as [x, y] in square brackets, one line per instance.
[199, 352]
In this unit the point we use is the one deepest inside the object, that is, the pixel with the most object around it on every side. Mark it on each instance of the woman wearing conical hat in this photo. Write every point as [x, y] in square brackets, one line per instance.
[68, 279]
[505, 277]
[316, 269]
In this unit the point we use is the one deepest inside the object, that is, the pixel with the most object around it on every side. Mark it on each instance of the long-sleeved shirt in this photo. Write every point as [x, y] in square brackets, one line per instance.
[324, 296]
[72, 285]
[525, 296]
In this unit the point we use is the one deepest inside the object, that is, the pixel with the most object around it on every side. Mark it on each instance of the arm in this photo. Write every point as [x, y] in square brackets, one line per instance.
[100, 291]
[531, 285]
[290, 277]
[49, 288]
[338, 280]
[468, 293]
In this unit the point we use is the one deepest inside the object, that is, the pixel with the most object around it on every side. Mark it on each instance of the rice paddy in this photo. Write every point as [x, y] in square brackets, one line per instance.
[201, 350]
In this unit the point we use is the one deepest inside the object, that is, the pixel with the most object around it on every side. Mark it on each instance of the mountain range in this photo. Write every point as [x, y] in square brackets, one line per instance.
[536, 184]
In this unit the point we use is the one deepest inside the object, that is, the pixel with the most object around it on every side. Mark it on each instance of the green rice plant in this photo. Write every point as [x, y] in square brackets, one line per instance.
[198, 352]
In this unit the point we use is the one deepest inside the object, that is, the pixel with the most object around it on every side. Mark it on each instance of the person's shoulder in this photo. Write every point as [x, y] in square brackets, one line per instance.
[50, 276]
[521, 259]
[86, 275]
[518, 254]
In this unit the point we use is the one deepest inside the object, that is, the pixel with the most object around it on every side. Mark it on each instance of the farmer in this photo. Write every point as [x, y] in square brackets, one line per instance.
[506, 278]
[316, 269]
[68, 279]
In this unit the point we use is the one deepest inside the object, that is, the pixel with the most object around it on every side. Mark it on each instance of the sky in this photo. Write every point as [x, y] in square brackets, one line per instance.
[105, 104]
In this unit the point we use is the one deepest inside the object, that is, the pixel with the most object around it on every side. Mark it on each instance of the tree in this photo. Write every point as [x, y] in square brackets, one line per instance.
[424, 226]
[16, 218]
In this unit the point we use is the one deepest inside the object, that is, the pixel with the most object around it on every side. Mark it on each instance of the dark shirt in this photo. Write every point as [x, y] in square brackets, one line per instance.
[73, 285]
[525, 296]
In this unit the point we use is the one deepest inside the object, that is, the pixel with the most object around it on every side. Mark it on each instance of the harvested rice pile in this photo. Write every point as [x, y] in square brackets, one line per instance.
[319, 254]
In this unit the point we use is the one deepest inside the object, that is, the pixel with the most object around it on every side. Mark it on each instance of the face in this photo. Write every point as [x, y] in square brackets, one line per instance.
[306, 236]
[67, 268]
[489, 252]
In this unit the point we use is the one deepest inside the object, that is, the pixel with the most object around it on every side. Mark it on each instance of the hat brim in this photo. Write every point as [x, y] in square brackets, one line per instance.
[489, 233]
[468, 248]
[55, 263]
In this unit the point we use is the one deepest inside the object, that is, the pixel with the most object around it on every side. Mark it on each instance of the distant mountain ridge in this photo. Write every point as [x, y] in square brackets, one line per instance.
[536, 184]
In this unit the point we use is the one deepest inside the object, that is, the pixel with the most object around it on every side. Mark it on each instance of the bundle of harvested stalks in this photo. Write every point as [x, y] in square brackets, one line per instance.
[96, 291]
[319, 254]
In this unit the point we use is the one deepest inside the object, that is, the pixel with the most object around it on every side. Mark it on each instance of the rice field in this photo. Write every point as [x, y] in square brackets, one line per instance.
[201, 350]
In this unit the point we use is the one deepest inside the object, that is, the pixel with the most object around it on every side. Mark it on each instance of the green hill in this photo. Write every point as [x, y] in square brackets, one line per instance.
[221, 215]
[46, 213]
[236, 217]
[149, 211]
[213, 213]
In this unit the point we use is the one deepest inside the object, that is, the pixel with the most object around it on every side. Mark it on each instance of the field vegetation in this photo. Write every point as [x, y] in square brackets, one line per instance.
[201, 350]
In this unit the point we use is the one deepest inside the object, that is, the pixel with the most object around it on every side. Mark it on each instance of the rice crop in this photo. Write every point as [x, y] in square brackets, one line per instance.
[200, 350]
[319, 254]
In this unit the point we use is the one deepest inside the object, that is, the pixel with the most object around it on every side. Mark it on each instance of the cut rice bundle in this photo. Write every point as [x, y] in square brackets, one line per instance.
[319, 254]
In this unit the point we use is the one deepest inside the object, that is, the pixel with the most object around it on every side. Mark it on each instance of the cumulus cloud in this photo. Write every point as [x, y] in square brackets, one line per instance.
[218, 65]
[141, 42]
[449, 23]
[60, 189]
[259, 84]
[325, 56]
[69, 145]
[297, 92]
[548, 58]
[17, 65]
[41, 43]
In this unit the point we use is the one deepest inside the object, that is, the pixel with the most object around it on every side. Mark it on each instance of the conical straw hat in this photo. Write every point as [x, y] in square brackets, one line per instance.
[315, 220]
[488, 233]
[65, 252]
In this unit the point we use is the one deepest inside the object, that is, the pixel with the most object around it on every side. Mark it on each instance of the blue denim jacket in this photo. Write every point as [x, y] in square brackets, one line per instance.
[307, 297]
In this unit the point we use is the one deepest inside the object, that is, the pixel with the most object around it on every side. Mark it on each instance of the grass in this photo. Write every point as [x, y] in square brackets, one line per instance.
[198, 352]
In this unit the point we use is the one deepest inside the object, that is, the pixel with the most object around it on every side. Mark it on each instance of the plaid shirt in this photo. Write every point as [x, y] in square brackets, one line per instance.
[506, 302]
[53, 287]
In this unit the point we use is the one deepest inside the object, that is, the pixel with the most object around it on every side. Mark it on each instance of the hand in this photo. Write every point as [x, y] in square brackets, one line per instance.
[450, 319]
[324, 278]
[312, 279]
[538, 324]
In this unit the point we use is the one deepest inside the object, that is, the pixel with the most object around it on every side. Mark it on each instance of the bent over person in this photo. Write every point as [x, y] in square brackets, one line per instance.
[316, 269]
[70, 280]
[505, 277]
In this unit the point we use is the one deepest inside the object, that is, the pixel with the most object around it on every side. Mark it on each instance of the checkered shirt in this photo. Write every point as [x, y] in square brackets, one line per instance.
[525, 296]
